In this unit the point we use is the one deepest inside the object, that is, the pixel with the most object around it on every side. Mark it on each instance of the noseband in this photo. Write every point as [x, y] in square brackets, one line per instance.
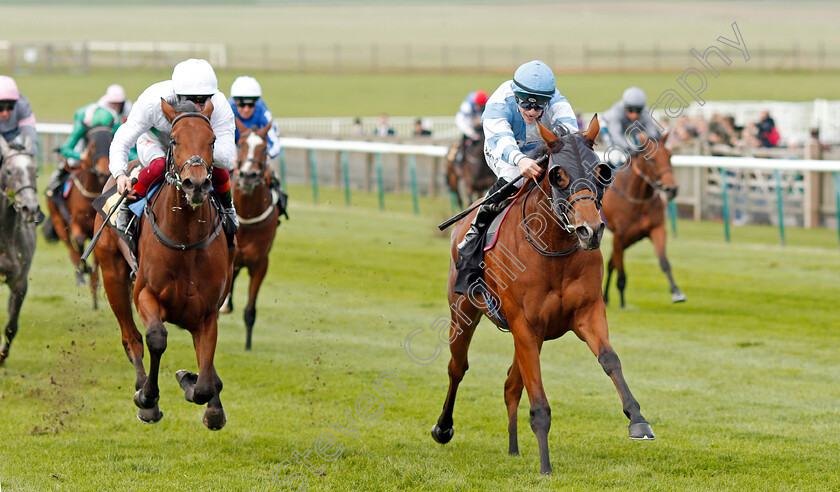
[11, 194]
[173, 173]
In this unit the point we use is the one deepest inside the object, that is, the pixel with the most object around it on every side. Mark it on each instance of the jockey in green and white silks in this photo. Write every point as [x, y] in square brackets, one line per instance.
[622, 123]
[110, 110]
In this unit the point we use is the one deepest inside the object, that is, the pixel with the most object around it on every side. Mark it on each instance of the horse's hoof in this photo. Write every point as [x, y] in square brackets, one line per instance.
[186, 379]
[150, 415]
[641, 431]
[227, 306]
[80, 281]
[678, 297]
[214, 418]
[442, 436]
[142, 402]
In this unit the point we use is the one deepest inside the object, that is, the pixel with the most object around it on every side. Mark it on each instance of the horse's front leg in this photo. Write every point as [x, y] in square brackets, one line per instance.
[657, 237]
[77, 247]
[205, 386]
[18, 292]
[149, 311]
[591, 327]
[527, 353]
[257, 274]
[464, 319]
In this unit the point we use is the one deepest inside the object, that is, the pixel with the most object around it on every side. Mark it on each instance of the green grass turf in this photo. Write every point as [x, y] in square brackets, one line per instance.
[739, 383]
[55, 97]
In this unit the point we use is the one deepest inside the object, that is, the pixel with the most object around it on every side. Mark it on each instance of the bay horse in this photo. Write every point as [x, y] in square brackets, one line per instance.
[474, 173]
[74, 226]
[543, 279]
[19, 215]
[258, 218]
[634, 209]
[184, 269]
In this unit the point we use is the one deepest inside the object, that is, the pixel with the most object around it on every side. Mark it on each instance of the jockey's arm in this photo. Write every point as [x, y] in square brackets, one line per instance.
[224, 127]
[68, 150]
[464, 121]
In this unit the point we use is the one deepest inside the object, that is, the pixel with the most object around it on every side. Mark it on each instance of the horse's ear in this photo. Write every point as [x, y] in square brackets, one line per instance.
[168, 110]
[594, 128]
[239, 125]
[263, 132]
[4, 145]
[550, 138]
[208, 109]
[664, 137]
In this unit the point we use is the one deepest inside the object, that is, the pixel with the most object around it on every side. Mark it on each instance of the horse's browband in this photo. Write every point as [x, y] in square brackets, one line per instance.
[190, 115]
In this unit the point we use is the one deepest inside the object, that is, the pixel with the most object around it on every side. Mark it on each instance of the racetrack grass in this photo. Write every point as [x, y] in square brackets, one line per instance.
[739, 383]
[55, 97]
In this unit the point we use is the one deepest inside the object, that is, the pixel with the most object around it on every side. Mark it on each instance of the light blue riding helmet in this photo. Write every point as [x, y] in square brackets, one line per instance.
[534, 79]
[634, 97]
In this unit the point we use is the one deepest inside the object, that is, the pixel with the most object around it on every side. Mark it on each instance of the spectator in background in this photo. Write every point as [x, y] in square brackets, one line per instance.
[718, 131]
[768, 135]
[357, 130]
[384, 128]
[419, 130]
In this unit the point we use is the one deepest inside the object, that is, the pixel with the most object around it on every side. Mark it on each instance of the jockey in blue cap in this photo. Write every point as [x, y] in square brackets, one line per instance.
[512, 139]
[622, 123]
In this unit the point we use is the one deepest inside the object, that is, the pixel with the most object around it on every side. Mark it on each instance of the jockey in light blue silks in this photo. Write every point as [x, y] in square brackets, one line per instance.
[622, 123]
[511, 140]
[467, 119]
[249, 108]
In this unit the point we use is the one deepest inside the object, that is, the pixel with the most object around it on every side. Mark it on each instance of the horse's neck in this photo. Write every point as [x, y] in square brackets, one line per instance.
[539, 214]
[91, 181]
[177, 219]
[631, 184]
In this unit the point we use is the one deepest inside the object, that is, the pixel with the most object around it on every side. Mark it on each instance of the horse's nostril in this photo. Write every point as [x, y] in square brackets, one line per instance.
[584, 232]
[205, 186]
[188, 184]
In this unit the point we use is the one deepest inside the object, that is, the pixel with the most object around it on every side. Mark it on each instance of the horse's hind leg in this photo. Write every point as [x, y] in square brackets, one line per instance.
[214, 415]
[617, 261]
[94, 281]
[591, 327]
[607, 283]
[257, 274]
[16, 296]
[465, 317]
[513, 394]
[657, 236]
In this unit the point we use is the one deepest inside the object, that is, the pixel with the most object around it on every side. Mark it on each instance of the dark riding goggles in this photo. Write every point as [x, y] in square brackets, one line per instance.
[528, 101]
[196, 98]
[245, 102]
[634, 109]
[8, 105]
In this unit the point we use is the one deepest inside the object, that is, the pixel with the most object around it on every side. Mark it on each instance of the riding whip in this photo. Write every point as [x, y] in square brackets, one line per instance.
[116, 206]
[503, 191]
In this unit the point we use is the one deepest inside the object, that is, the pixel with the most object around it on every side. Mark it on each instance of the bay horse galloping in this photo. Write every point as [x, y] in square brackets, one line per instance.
[257, 214]
[542, 279]
[74, 224]
[184, 269]
[474, 173]
[19, 214]
[634, 210]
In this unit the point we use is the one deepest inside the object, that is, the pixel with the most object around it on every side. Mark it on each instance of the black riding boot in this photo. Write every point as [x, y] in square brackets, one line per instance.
[56, 180]
[470, 255]
[230, 222]
[282, 197]
[124, 217]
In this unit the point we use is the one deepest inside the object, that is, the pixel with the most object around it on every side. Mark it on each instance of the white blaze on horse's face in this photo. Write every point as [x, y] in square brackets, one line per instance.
[252, 141]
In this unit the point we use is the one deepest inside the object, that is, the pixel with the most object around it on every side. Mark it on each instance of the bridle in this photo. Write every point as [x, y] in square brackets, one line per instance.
[258, 178]
[11, 194]
[173, 177]
[654, 183]
[173, 172]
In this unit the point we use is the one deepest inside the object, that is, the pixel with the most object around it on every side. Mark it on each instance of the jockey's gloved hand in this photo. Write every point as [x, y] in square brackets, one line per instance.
[617, 158]
[123, 184]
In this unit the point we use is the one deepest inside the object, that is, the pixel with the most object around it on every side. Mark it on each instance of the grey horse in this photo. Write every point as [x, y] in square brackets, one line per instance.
[19, 215]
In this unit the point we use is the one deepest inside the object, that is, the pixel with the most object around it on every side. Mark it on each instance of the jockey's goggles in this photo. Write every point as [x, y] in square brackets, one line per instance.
[196, 98]
[8, 105]
[634, 109]
[531, 102]
[245, 102]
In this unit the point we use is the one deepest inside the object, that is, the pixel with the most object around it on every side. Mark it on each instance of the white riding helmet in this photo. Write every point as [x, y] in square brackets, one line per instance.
[194, 77]
[8, 89]
[115, 94]
[245, 87]
[634, 97]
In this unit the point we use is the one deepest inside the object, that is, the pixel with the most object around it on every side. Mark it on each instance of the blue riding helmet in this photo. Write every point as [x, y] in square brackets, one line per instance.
[534, 79]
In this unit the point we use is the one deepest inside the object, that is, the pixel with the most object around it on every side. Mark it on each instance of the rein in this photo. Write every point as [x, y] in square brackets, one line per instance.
[550, 254]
